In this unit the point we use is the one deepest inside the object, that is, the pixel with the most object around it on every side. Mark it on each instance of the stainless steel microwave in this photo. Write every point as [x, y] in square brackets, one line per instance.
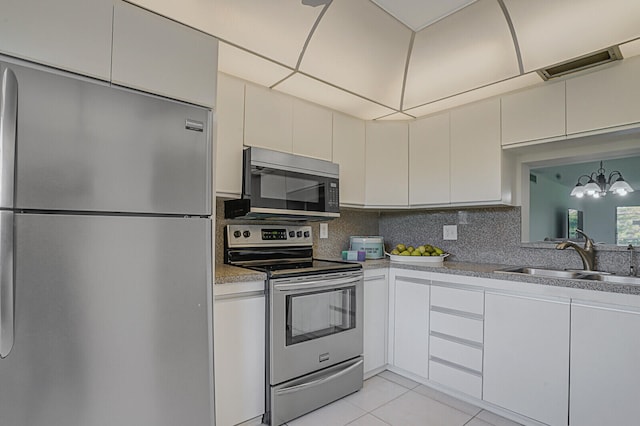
[279, 185]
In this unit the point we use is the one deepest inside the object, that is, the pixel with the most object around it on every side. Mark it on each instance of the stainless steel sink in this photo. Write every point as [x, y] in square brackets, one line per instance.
[541, 272]
[616, 279]
[572, 274]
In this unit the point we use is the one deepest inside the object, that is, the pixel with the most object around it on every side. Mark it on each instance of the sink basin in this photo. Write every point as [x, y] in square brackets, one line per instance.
[579, 274]
[617, 279]
[541, 272]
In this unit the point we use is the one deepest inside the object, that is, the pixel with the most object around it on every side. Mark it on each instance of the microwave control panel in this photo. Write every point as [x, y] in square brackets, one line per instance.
[333, 195]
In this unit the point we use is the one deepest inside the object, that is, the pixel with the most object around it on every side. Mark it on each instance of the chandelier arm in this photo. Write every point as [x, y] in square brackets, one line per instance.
[612, 174]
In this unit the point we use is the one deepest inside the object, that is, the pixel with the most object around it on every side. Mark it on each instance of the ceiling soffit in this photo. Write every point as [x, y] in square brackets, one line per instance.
[352, 56]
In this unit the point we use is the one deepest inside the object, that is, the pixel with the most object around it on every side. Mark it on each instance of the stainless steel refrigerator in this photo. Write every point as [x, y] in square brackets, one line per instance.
[105, 254]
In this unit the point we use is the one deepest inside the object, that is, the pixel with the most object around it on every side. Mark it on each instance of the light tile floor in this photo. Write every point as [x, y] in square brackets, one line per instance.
[392, 400]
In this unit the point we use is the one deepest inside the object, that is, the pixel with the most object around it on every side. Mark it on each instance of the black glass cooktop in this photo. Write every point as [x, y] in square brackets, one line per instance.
[307, 267]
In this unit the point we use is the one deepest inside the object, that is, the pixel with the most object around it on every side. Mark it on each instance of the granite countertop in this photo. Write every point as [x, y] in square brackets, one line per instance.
[230, 274]
[226, 274]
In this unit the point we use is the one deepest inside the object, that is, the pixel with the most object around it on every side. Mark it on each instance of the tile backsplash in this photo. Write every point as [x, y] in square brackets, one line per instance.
[485, 235]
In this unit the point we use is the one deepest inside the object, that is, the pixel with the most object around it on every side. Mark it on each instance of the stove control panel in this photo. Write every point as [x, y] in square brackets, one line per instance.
[268, 235]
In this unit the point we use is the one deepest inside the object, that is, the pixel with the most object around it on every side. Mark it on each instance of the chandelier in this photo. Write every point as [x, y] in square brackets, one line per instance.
[598, 185]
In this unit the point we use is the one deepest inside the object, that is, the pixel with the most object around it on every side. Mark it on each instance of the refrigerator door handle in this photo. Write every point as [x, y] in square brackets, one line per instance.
[7, 284]
[8, 128]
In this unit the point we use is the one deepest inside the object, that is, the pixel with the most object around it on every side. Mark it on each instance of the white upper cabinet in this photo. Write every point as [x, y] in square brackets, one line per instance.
[387, 161]
[349, 153]
[230, 131]
[429, 160]
[606, 98]
[156, 55]
[73, 35]
[532, 114]
[311, 130]
[268, 119]
[476, 154]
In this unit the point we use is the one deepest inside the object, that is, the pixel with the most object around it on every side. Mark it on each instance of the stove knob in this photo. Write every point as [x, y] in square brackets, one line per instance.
[246, 234]
[237, 234]
[299, 234]
[292, 234]
[306, 234]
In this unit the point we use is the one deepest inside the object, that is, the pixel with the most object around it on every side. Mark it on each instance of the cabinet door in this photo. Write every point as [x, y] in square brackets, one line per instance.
[536, 113]
[411, 326]
[376, 302]
[606, 98]
[230, 124]
[349, 153]
[429, 160]
[268, 119]
[526, 356]
[160, 56]
[239, 349]
[74, 35]
[604, 365]
[311, 130]
[476, 153]
[387, 162]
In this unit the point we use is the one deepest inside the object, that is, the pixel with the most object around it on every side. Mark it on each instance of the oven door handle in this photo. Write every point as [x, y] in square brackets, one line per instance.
[316, 284]
[318, 382]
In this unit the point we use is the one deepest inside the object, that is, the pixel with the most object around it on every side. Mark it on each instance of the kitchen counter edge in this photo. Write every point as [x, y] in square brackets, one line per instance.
[231, 274]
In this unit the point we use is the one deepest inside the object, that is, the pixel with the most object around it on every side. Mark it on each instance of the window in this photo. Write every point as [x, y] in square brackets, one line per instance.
[628, 225]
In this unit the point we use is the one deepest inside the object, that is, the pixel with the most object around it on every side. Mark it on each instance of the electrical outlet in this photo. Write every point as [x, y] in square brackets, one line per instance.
[324, 230]
[450, 232]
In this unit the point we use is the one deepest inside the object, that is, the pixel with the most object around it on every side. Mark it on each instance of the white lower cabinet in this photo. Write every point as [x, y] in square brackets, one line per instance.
[526, 356]
[605, 348]
[239, 358]
[376, 307]
[411, 325]
[455, 338]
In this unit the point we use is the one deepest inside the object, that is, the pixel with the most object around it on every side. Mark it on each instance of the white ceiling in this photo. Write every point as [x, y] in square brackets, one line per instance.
[397, 59]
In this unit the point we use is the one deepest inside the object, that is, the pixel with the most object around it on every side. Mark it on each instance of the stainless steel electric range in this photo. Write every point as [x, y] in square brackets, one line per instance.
[314, 318]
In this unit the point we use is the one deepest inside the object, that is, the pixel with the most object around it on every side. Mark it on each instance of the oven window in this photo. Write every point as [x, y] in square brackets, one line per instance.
[318, 314]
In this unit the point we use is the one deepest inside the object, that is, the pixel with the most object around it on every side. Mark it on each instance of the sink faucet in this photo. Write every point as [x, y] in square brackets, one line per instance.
[587, 254]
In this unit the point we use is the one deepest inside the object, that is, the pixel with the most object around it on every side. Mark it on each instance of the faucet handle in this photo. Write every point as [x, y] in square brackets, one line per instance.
[588, 242]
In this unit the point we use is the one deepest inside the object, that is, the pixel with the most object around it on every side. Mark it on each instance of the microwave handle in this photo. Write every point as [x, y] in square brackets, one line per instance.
[317, 284]
[246, 173]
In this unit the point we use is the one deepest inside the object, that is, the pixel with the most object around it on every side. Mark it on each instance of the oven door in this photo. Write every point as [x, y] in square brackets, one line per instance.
[315, 322]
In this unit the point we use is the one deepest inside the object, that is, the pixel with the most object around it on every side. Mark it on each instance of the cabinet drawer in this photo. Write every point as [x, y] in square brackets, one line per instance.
[458, 353]
[454, 378]
[456, 326]
[458, 299]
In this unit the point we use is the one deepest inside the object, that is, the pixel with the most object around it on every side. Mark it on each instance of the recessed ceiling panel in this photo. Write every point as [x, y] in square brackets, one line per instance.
[360, 47]
[550, 32]
[496, 89]
[417, 14]
[630, 49]
[247, 66]
[467, 50]
[276, 29]
[313, 90]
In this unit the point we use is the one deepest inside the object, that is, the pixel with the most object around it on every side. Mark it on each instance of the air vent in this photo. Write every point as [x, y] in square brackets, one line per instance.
[592, 60]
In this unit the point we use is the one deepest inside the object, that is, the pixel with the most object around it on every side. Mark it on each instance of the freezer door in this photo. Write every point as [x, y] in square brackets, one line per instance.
[112, 323]
[84, 146]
